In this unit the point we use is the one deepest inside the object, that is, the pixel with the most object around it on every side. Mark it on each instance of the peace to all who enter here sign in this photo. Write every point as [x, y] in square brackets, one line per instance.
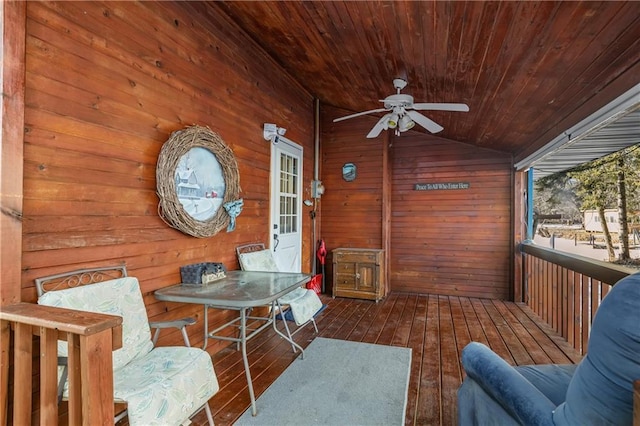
[442, 185]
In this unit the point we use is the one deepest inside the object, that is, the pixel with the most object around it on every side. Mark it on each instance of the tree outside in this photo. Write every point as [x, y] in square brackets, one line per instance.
[611, 182]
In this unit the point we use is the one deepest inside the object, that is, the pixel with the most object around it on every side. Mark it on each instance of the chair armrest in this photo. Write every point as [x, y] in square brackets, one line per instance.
[508, 387]
[179, 324]
[183, 322]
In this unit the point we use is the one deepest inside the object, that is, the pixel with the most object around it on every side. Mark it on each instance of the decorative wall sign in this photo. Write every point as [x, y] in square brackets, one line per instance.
[196, 175]
[441, 186]
[349, 172]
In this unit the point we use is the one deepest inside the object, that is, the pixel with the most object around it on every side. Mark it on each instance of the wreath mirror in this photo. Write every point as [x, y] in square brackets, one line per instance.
[197, 181]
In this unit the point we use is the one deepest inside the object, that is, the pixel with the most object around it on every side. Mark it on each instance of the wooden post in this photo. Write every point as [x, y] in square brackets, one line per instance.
[518, 225]
[22, 371]
[97, 373]
[48, 374]
[75, 385]
[13, 26]
[5, 335]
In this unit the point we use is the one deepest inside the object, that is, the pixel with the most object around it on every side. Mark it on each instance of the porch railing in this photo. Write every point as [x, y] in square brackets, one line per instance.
[91, 339]
[565, 290]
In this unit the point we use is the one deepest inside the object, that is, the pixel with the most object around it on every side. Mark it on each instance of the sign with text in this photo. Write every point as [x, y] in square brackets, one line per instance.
[441, 186]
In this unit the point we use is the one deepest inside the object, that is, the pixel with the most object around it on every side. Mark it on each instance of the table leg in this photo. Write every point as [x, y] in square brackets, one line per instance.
[284, 321]
[288, 338]
[243, 344]
[205, 327]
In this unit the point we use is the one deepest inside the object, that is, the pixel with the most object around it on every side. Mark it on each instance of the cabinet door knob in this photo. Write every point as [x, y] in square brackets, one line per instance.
[357, 275]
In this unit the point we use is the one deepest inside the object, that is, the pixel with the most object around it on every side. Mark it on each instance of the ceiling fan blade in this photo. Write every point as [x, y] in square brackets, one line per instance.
[441, 107]
[346, 117]
[425, 122]
[381, 125]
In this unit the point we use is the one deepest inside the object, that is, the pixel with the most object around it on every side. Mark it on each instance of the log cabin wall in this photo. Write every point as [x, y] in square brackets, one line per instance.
[450, 242]
[106, 85]
[351, 212]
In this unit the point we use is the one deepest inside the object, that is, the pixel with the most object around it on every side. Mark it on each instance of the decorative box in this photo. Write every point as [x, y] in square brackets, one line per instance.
[202, 273]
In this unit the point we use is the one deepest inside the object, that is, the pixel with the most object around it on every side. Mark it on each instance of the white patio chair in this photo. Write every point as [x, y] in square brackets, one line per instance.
[303, 303]
[160, 385]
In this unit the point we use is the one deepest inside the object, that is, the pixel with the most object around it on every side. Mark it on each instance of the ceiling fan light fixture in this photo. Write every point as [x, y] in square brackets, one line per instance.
[393, 121]
[406, 123]
[402, 113]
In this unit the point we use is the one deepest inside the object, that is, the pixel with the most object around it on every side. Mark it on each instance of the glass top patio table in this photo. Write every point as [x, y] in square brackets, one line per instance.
[239, 289]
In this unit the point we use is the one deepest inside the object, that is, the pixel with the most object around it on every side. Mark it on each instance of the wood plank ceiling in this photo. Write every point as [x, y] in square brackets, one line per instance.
[527, 70]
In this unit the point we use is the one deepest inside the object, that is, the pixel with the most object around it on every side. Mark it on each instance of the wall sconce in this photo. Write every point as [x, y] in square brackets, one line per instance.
[271, 132]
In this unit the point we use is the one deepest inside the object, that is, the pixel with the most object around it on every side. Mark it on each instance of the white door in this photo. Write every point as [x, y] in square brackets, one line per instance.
[286, 205]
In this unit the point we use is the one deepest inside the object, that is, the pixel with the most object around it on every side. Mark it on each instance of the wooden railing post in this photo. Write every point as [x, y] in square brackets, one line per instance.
[96, 373]
[75, 388]
[91, 340]
[23, 356]
[5, 336]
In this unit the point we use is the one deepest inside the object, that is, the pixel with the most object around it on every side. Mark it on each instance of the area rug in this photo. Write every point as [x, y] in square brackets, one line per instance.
[338, 383]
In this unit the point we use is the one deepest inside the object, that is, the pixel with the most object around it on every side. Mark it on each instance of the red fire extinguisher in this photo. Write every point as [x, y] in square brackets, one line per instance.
[321, 254]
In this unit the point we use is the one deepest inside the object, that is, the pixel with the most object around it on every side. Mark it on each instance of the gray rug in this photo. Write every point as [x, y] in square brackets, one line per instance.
[338, 383]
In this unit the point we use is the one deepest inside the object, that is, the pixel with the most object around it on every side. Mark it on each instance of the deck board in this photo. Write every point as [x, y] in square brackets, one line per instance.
[491, 331]
[429, 401]
[416, 343]
[451, 371]
[435, 327]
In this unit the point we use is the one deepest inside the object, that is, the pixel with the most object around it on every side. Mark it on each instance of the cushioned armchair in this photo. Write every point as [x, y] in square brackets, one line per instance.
[160, 385]
[598, 391]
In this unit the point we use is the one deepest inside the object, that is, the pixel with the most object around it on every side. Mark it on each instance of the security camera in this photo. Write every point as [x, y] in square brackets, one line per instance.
[282, 131]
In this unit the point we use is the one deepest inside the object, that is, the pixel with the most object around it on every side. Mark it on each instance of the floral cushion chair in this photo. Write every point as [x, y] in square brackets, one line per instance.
[160, 385]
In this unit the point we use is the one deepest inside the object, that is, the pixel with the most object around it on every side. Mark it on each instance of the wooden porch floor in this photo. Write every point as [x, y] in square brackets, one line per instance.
[435, 327]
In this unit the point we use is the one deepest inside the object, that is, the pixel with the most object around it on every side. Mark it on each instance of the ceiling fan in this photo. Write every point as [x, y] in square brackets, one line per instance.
[402, 114]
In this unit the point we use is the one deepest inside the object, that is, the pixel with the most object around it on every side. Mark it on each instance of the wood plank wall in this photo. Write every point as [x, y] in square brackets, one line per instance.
[351, 212]
[106, 85]
[453, 242]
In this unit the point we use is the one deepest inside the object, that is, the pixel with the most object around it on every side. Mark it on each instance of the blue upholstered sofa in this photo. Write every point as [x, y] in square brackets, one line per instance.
[597, 391]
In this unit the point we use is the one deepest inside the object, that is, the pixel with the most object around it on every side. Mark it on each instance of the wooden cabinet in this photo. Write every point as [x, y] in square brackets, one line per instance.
[359, 273]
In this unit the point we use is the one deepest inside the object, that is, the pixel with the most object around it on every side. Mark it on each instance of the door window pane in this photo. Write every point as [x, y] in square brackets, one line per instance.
[288, 194]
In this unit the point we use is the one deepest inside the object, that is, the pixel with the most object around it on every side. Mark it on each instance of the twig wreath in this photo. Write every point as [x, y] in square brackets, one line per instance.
[196, 176]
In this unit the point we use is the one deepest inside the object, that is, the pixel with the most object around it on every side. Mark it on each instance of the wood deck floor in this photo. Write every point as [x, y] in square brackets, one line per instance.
[435, 327]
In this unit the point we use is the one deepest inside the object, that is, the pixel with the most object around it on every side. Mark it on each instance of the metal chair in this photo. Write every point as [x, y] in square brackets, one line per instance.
[160, 385]
[303, 303]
